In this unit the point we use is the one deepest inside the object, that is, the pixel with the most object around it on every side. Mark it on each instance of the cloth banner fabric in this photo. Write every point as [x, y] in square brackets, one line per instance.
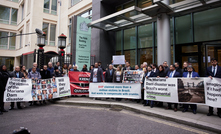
[132, 76]
[118, 59]
[79, 77]
[204, 91]
[115, 90]
[18, 89]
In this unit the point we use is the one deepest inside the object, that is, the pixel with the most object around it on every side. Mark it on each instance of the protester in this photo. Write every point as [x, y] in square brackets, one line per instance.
[149, 74]
[166, 68]
[109, 74]
[214, 71]
[84, 69]
[4, 78]
[178, 69]
[171, 74]
[70, 68]
[65, 70]
[57, 72]
[144, 65]
[91, 67]
[45, 73]
[137, 68]
[154, 68]
[142, 86]
[34, 75]
[16, 74]
[25, 73]
[141, 67]
[128, 67]
[185, 64]
[190, 74]
[59, 67]
[76, 68]
[50, 68]
[100, 66]
[160, 73]
[36, 66]
[117, 78]
[96, 74]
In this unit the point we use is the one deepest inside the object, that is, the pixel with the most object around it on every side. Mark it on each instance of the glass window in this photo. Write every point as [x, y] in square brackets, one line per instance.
[130, 56]
[129, 39]
[207, 25]
[3, 41]
[52, 34]
[14, 16]
[183, 29]
[145, 55]
[175, 1]
[4, 15]
[20, 40]
[145, 37]
[69, 40]
[22, 12]
[54, 7]
[12, 41]
[46, 6]
[73, 2]
[45, 29]
[118, 41]
[144, 3]
[8, 61]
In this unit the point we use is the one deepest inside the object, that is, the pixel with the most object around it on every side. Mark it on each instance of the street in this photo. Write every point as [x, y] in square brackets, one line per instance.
[67, 119]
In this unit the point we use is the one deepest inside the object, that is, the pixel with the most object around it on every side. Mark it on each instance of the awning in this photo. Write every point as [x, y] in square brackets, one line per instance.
[133, 16]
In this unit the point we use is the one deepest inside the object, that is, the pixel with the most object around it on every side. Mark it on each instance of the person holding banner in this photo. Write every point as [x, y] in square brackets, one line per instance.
[190, 74]
[171, 74]
[84, 69]
[128, 67]
[96, 74]
[214, 71]
[4, 75]
[160, 73]
[16, 74]
[109, 74]
[149, 74]
[117, 78]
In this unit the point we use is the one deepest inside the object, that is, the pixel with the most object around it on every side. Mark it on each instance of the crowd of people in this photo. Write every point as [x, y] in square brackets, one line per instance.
[112, 74]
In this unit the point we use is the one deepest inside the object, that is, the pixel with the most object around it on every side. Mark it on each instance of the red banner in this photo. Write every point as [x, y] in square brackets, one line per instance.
[79, 77]
[78, 90]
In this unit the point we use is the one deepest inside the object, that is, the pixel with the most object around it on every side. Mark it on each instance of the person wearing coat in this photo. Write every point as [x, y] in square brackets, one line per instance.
[45, 73]
[96, 74]
[16, 74]
[190, 74]
[117, 78]
[4, 78]
[109, 74]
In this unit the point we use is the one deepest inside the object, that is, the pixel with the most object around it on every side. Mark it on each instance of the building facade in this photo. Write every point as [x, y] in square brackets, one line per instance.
[23, 16]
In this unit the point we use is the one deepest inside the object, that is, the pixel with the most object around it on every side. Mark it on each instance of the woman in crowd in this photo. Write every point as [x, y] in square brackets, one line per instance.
[65, 70]
[70, 68]
[4, 78]
[91, 67]
[25, 73]
[142, 84]
[84, 69]
[161, 73]
[118, 77]
[57, 73]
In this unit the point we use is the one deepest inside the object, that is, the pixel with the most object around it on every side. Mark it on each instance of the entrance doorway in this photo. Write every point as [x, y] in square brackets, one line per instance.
[213, 51]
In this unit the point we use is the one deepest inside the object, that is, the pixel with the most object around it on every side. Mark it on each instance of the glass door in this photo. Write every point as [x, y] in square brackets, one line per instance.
[213, 51]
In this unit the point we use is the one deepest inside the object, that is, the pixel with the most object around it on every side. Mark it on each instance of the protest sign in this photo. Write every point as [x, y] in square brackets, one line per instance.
[118, 59]
[213, 92]
[79, 77]
[63, 87]
[17, 90]
[115, 90]
[161, 89]
[132, 76]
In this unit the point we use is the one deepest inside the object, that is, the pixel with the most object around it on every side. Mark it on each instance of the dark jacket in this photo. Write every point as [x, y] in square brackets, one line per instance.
[161, 74]
[57, 74]
[166, 70]
[1, 83]
[179, 70]
[152, 74]
[176, 74]
[210, 73]
[5, 76]
[51, 70]
[13, 75]
[108, 77]
[131, 68]
[45, 74]
[30, 69]
[115, 76]
[84, 70]
[100, 76]
[194, 74]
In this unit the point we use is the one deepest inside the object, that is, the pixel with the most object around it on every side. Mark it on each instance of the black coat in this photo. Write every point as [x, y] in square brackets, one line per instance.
[161, 74]
[13, 75]
[57, 74]
[45, 74]
[1, 83]
[108, 77]
[179, 70]
[84, 70]
[210, 73]
[5, 76]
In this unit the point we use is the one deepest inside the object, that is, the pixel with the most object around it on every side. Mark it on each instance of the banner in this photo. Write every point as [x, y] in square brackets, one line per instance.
[79, 77]
[78, 90]
[132, 76]
[118, 59]
[115, 90]
[18, 89]
[213, 92]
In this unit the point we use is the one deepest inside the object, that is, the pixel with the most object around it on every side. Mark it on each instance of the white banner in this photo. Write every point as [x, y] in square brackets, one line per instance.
[161, 89]
[18, 90]
[213, 92]
[63, 87]
[118, 59]
[115, 90]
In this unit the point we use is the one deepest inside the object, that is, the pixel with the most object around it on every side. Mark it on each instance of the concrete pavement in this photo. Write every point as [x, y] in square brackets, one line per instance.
[199, 120]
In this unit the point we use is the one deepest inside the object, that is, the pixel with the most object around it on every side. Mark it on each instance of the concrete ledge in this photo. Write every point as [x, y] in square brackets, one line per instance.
[136, 109]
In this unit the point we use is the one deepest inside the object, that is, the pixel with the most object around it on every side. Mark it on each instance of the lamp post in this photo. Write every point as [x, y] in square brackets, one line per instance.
[41, 43]
[61, 45]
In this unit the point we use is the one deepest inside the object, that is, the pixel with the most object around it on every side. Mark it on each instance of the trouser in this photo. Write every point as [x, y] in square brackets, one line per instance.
[149, 101]
[192, 106]
[2, 100]
[13, 104]
[211, 110]
[175, 105]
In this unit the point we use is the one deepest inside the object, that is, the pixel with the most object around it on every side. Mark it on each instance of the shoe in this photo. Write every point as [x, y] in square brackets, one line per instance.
[219, 115]
[194, 111]
[20, 107]
[209, 114]
[44, 102]
[4, 110]
[151, 106]
[11, 108]
[184, 110]
[1, 112]
[175, 109]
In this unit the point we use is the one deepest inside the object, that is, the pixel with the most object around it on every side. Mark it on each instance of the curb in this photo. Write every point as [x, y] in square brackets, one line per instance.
[193, 123]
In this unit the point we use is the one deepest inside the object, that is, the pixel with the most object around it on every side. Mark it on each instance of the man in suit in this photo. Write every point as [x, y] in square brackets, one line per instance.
[155, 68]
[149, 74]
[109, 74]
[190, 74]
[45, 73]
[16, 74]
[214, 71]
[128, 67]
[166, 68]
[36, 66]
[172, 74]
[178, 69]
[96, 74]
